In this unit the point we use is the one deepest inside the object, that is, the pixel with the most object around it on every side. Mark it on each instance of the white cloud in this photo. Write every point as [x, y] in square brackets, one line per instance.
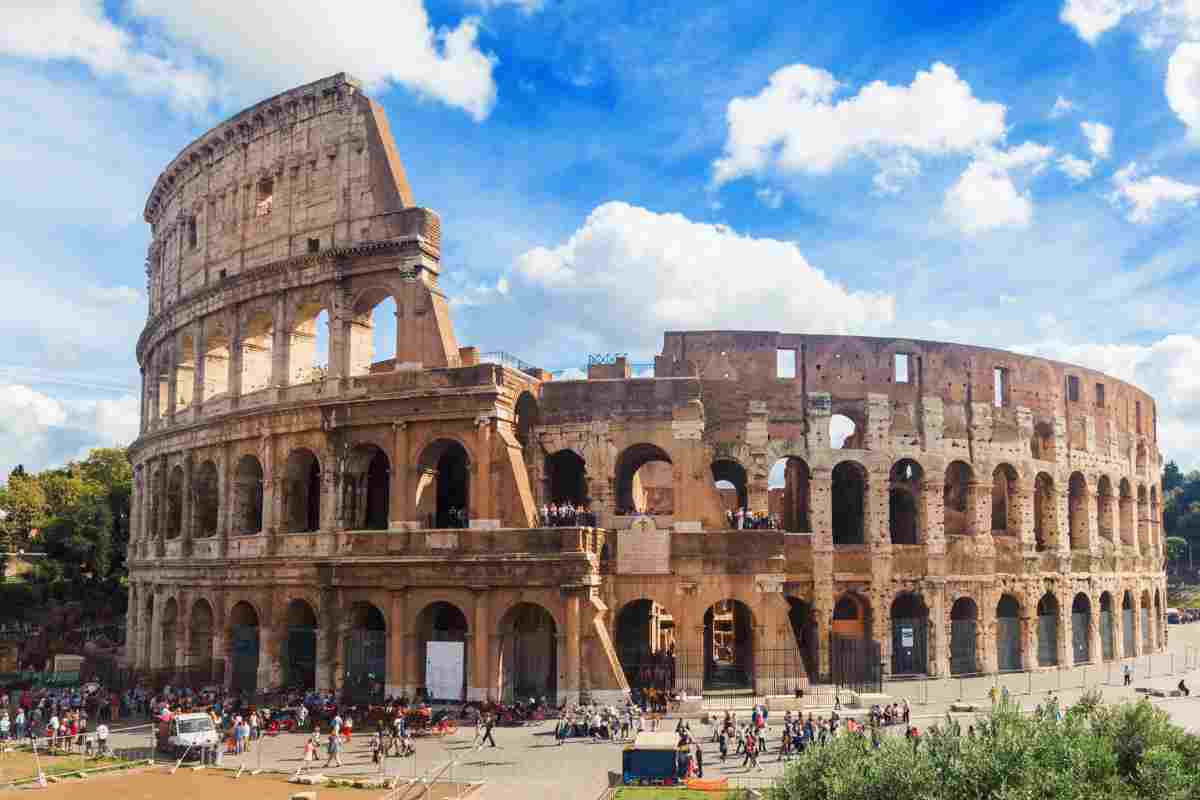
[1099, 138]
[1143, 196]
[1183, 85]
[985, 198]
[1062, 106]
[795, 125]
[525, 6]
[1075, 168]
[895, 172]
[771, 198]
[40, 431]
[382, 44]
[1092, 18]
[113, 295]
[629, 273]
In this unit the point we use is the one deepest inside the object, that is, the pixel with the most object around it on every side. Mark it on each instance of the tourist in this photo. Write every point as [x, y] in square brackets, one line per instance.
[334, 748]
[489, 722]
[1183, 688]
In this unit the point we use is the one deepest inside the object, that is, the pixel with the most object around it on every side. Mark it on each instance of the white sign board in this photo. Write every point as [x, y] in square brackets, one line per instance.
[906, 636]
[444, 669]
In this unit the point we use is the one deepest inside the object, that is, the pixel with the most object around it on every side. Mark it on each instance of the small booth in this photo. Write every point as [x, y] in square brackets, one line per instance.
[652, 760]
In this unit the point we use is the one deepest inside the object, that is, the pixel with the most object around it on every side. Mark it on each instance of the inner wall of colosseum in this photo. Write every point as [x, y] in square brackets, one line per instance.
[308, 509]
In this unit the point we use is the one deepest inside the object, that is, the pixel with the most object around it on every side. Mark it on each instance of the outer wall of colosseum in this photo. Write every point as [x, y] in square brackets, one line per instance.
[334, 524]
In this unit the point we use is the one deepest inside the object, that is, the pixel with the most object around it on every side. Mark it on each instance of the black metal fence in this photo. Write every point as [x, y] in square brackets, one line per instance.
[112, 675]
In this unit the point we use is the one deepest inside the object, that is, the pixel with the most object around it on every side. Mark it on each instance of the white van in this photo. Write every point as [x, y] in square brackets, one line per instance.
[185, 731]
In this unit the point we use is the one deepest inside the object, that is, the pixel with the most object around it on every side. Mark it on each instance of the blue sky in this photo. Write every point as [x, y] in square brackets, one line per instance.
[1022, 175]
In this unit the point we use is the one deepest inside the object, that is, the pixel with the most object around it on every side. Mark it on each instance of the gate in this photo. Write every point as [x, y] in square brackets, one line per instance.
[245, 658]
[1047, 640]
[909, 646]
[1127, 632]
[1147, 631]
[1106, 635]
[855, 663]
[1008, 644]
[962, 647]
[366, 662]
[300, 664]
[1081, 644]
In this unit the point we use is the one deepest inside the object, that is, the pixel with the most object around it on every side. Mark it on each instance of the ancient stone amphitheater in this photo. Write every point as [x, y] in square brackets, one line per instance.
[307, 512]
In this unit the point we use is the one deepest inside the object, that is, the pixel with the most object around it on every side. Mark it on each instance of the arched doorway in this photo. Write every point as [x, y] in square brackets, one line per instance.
[1008, 634]
[1107, 633]
[1105, 508]
[175, 503]
[964, 621]
[729, 479]
[1077, 513]
[366, 654]
[904, 502]
[1045, 528]
[170, 646]
[1128, 634]
[525, 417]
[728, 646]
[849, 491]
[804, 629]
[300, 646]
[1125, 512]
[789, 494]
[1005, 522]
[205, 491]
[910, 635]
[956, 497]
[566, 478]
[528, 655]
[1147, 626]
[248, 496]
[442, 647]
[367, 489]
[444, 488]
[243, 645]
[1081, 628]
[853, 657]
[645, 642]
[200, 642]
[1047, 611]
[644, 481]
[303, 494]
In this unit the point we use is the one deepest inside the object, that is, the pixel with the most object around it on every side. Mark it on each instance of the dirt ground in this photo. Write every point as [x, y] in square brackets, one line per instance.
[186, 784]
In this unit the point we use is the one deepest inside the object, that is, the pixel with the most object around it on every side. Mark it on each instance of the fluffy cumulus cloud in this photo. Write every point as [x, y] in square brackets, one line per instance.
[1074, 168]
[1143, 198]
[1099, 138]
[41, 431]
[212, 53]
[1093, 18]
[985, 197]
[629, 273]
[797, 124]
[1183, 85]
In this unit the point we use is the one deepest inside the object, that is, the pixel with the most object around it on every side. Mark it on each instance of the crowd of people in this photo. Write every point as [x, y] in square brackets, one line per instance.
[743, 519]
[567, 515]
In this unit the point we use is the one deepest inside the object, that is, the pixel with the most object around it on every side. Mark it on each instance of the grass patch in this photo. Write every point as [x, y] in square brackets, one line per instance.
[655, 793]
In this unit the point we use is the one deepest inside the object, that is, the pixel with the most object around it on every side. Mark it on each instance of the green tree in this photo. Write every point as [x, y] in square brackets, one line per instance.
[23, 508]
[79, 541]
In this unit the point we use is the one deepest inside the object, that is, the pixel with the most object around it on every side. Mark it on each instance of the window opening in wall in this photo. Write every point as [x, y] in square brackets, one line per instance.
[1100, 395]
[373, 334]
[999, 387]
[193, 237]
[266, 197]
[841, 432]
[314, 245]
[308, 345]
[788, 494]
[785, 364]
[900, 364]
[1073, 388]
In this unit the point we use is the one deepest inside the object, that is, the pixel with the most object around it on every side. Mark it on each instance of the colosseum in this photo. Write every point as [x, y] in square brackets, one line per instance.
[331, 491]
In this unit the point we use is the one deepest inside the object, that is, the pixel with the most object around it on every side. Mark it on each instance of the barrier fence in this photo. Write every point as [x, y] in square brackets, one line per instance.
[33, 760]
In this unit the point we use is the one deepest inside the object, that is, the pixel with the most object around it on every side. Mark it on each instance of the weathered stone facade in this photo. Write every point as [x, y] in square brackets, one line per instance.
[1010, 500]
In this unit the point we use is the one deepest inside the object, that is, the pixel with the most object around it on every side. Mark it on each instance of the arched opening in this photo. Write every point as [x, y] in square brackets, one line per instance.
[804, 629]
[1141, 458]
[216, 363]
[243, 645]
[302, 496]
[566, 478]
[185, 372]
[789, 494]
[247, 496]
[849, 491]
[373, 333]
[910, 635]
[956, 497]
[843, 433]
[964, 622]
[904, 502]
[1077, 515]
[1041, 444]
[1005, 521]
[161, 374]
[1147, 626]
[853, 656]
[728, 646]
[443, 490]
[645, 641]
[147, 641]
[645, 481]
[1047, 610]
[300, 647]
[170, 646]
[1128, 634]
[1008, 634]
[1143, 521]
[366, 488]
[1081, 628]
[258, 337]
[158, 490]
[205, 500]
[526, 416]
[308, 345]
[1126, 510]
[366, 654]
[175, 503]
[200, 641]
[528, 656]
[1108, 649]
[729, 479]
[1105, 508]
[442, 647]
[1158, 622]
[1045, 519]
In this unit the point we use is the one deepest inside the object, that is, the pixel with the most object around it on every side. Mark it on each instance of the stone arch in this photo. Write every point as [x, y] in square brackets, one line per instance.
[852, 616]
[1143, 520]
[728, 645]
[729, 478]
[566, 478]
[964, 630]
[956, 499]
[1005, 520]
[1105, 508]
[790, 480]
[910, 634]
[846, 432]
[850, 640]
[302, 492]
[849, 490]
[1108, 638]
[200, 642]
[905, 516]
[1077, 511]
[439, 622]
[308, 324]
[174, 527]
[803, 622]
[1048, 633]
[1045, 512]
[185, 371]
[1147, 623]
[258, 338]
[1081, 628]
[248, 495]
[1008, 633]
[365, 652]
[214, 350]
[366, 488]
[243, 638]
[631, 494]
[526, 417]
[644, 635]
[370, 310]
[170, 644]
[1128, 637]
[528, 653]
[444, 487]
[1125, 503]
[206, 493]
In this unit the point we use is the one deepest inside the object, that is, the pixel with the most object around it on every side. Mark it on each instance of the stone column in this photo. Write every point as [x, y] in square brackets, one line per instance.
[235, 359]
[1024, 510]
[198, 372]
[483, 512]
[156, 630]
[399, 500]
[569, 688]
[1137, 622]
[932, 520]
[326, 640]
[986, 657]
[172, 389]
[1062, 521]
[480, 663]
[1092, 509]
[281, 343]
[1095, 645]
[185, 517]
[939, 629]
[1066, 649]
[397, 628]
[1029, 658]
[273, 483]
